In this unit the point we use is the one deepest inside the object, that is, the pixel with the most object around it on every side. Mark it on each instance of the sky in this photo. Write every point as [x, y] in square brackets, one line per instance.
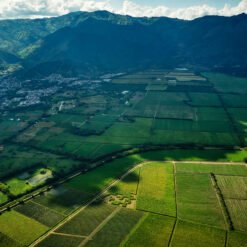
[182, 9]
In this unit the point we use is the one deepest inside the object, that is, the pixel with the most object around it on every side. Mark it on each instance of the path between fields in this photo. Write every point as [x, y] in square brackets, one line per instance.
[99, 227]
[209, 162]
[75, 213]
[69, 235]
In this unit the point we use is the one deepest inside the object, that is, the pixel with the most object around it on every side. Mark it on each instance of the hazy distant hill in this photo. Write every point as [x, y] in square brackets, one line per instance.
[82, 43]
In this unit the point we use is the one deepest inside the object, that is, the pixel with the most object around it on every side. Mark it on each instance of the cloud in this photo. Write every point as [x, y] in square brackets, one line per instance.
[188, 13]
[10, 9]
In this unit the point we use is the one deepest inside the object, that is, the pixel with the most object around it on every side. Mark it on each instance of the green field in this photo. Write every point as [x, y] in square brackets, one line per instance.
[188, 234]
[158, 196]
[20, 228]
[154, 230]
[233, 187]
[211, 168]
[116, 229]
[87, 220]
[60, 241]
[42, 214]
[238, 213]
[197, 192]
[237, 239]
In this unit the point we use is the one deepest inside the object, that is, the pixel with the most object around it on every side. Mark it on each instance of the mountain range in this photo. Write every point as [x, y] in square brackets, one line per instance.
[84, 43]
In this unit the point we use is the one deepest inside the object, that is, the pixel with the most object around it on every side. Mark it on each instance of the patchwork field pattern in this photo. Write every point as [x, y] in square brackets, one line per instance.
[165, 193]
[190, 192]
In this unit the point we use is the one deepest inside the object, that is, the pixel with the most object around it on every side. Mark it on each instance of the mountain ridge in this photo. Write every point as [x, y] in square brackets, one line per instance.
[76, 41]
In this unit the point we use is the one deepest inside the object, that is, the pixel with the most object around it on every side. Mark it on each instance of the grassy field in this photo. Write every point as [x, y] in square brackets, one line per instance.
[238, 213]
[116, 229]
[211, 168]
[233, 187]
[3, 198]
[60, 241]
[188, 234]
[42, 214]
[87, 220]
[18, 186]
[237, 239]
[154, 230]
[158, 197]
[128, 186]
[20, 228]
[196, 192]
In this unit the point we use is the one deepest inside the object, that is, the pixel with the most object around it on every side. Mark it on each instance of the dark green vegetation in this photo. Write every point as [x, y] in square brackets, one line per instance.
[39, 45]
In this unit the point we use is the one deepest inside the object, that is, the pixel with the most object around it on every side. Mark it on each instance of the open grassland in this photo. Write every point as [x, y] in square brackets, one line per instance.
[154, 230]
[20, 228]
[60, 241]
[233, 187]
[237, 239]
[197, 200]
[238, 213]
[40, 213]
[18, 186]
[211, 168]
[87, 220]
[158, 196]
[116, 229]
[188, 234]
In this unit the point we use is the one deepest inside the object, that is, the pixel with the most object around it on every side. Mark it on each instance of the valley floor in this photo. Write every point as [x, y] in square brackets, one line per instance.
[136, 202]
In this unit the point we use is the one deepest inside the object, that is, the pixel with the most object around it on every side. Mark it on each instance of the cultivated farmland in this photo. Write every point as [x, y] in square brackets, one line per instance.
[149, 158]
